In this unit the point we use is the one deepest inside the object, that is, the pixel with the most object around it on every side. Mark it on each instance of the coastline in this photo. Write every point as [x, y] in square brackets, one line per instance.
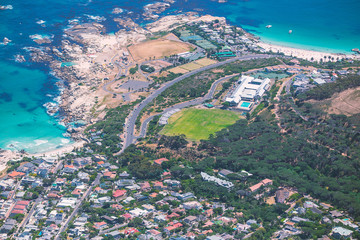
[309, 55]
[7, 155]
[90, 71]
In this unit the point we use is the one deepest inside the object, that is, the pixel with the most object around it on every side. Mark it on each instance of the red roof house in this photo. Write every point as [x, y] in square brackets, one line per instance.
[100, 225]
[15, 174]
[25, 203]
[119, 193]
[19, 207]
[76, 192]
[109, 175]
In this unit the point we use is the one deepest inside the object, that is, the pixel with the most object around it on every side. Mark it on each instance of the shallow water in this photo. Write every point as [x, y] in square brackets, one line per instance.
[332, 26]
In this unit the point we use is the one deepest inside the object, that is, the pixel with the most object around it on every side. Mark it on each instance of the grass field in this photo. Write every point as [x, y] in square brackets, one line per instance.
[198, 124]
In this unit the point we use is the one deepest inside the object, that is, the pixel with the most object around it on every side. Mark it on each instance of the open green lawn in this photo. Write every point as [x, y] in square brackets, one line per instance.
[198, 124]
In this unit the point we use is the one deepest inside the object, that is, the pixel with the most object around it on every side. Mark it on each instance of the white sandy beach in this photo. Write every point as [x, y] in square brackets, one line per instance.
[306, 54]
[7, 155]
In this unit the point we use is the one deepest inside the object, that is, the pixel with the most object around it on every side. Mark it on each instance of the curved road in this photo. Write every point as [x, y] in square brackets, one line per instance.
[182, 105]
[130, 123]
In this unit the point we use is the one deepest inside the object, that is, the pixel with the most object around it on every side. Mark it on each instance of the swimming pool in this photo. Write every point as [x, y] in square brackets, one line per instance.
[67, 64]
[245, 104]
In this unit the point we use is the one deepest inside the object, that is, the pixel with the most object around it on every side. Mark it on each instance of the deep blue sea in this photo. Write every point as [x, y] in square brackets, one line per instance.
[331, 26]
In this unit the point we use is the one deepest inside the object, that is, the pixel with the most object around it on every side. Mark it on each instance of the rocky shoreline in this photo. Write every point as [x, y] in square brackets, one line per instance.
[85, 60]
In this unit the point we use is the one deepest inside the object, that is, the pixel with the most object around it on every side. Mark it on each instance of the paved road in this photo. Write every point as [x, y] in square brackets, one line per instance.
[38, 200]
[130, 123]
[118, 75]
[182, 105]
[74, 212]
[292, 102]
[117, 226]
[146, 75]
[29, 215]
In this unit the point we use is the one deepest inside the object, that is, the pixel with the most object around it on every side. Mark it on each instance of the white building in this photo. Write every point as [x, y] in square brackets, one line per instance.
[137, 212]
[67, 202]
[192, 205]
[218, 181]
[249, 89]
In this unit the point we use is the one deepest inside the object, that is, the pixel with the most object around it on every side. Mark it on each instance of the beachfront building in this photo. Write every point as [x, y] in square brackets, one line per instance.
[249, 90]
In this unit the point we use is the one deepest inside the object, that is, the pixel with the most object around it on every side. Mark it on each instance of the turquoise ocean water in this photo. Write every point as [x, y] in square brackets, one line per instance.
[330, 26]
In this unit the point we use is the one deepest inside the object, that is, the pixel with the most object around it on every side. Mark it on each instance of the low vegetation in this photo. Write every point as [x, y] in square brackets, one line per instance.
[197, 124]
[325, 91]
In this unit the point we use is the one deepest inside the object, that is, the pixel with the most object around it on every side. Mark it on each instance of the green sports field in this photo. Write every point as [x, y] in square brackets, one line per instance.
[198, 124]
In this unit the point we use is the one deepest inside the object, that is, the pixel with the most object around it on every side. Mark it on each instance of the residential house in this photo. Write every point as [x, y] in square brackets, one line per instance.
[26, 168]
[82, 162]
[109, 219]
[218, 181]
[53, 195]
[115, 234]
[139, 197]
[326, 205]
[6, 184]
[148, 207]
[224, 173]
[341, 233]
[297, 219]
[124, 183]
[76, 193]
[100, 164]
[242, 227]
[137, 212]
[192, 205]
[172, 215]
[8, 225]
[336, 214]
[69, 169]
[191, 220]
[100, 225]
[84, 177]
[145, 186]
[173, 184]
[60, 181]
[257, 186]
[124, 175]
[168, 230]
[16, 211]
[15, 174]
[109, 175]
[42, 172]
[158, 185]
[67, 202]
[118, 194]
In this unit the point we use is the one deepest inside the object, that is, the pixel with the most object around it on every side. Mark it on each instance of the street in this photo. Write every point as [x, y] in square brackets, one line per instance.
[130, 123]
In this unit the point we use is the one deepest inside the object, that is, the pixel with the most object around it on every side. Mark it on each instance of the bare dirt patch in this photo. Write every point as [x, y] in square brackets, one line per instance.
[346, 102]
[158, 48]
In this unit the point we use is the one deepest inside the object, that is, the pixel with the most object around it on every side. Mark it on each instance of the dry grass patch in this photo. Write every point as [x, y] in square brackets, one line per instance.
[205, 61]
[158, 48]
[191, 66]
[178, 70]
[346, 102]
